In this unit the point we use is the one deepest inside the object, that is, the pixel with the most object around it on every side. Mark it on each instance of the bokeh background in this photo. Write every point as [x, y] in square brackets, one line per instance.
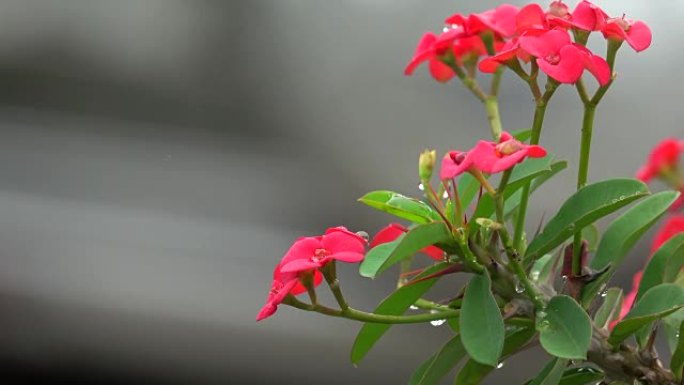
[158, 157]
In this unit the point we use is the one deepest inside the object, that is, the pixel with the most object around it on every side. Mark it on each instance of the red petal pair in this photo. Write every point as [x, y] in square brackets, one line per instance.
[393, 231]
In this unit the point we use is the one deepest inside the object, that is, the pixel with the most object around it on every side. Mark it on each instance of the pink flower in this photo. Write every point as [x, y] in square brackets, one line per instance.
[489, 157]
[562, 60]
[585, 17]
[636, 33]
[312, 253]
[509, 52]
[282, 286]
[432, 48]
[393, 231]
[673, 226]
[662, 159]
[500, 20]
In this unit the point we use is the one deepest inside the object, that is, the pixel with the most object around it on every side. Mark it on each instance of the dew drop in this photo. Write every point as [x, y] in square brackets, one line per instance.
[445, 29]
[535, 275]
[604, 293]
[622, 197]
[437, 322]
[500, 365]
[421, 187]
[445, 195]
[413, 307]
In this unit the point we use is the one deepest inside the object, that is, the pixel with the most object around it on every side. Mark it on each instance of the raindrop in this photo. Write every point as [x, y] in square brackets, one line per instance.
[677, 335]
[500, 365]
[622, 197]
[445, 29]
[437, 322]
[535, 275]
[604, 293]
[445, 195]
[421, 187]
[413, 307]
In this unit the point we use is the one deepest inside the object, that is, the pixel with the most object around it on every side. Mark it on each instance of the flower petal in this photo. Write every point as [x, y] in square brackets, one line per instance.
[588, 17]
[440, 71]
[388, 234]
[569, 68]
[434, 252]
[300, 265]
[348, 256]
[530, 16]
[303, 248]
[343, 241]
[639, 36]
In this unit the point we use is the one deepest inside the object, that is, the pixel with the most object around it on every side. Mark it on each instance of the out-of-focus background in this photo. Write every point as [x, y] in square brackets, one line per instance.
[157, 158]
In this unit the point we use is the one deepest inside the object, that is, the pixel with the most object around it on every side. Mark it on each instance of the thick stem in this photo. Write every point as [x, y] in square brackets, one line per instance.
[537, 124]
[492, 107]
[582, 175]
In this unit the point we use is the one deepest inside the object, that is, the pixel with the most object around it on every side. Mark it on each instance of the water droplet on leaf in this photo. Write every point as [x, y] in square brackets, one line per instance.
[437, 322]
[500, 365]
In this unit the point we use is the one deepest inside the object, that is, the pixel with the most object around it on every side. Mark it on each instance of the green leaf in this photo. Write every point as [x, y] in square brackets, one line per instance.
[440, 364]
[522, 135]
[395, 304]
[592, 236]
[376, 257]
[544, 269]
[400, 206]
[473, 372]
[552, 373]
[677, 360]
[663, 267]
[479, 312]
[622, 235]
[521, 175]
[581, 376]
[657, 302]
[408, 245]
[513, 201]
[565, 329]
[610, 308]
[582, 209]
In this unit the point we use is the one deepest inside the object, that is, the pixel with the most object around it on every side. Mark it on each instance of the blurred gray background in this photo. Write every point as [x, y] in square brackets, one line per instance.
[158, 157]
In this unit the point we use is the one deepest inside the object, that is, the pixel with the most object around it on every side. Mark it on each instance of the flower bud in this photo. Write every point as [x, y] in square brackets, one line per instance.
[426, 163]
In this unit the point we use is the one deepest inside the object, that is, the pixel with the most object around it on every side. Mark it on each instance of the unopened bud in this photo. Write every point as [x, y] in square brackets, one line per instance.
[426, 163]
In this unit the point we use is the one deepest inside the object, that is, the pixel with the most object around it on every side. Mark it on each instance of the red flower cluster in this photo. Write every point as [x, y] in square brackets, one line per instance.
[306, 256]
[663, 162]
[529, 32]
[489, 157]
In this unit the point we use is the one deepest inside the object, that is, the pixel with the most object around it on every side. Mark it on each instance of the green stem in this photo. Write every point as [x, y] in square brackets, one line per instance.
[330, 274]
[530, 290]
[470, 260]
[537, 124]
[582, 175]
[492, 107]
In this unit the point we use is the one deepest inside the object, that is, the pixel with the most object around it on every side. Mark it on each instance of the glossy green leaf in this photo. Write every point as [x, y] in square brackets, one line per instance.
[677, 360]
[408, 245]
[376, 257]
[544, 269]
[663, 267]
[513, 201]
[400, 206]
[395, 304]
[474, 373]
[658, 302]
[582, 209]
[565, 328]
[610, 308]
[581, 376]
[552, 373]
[592, 236]
[437, 366]
[480, 312]
[622, 234]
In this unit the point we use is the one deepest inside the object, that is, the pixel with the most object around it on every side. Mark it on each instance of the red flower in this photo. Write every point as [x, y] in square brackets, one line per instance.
[489, 157]
[510, 51]
[283, 284]
[500, 20]
[312, 253]
[393, 231]
[586, 17]
[432, 48]
[562, 60]
[636, 33]
[673, 226]
[662, 159]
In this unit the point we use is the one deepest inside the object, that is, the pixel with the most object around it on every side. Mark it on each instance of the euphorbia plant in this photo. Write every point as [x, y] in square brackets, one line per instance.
[473, 221]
